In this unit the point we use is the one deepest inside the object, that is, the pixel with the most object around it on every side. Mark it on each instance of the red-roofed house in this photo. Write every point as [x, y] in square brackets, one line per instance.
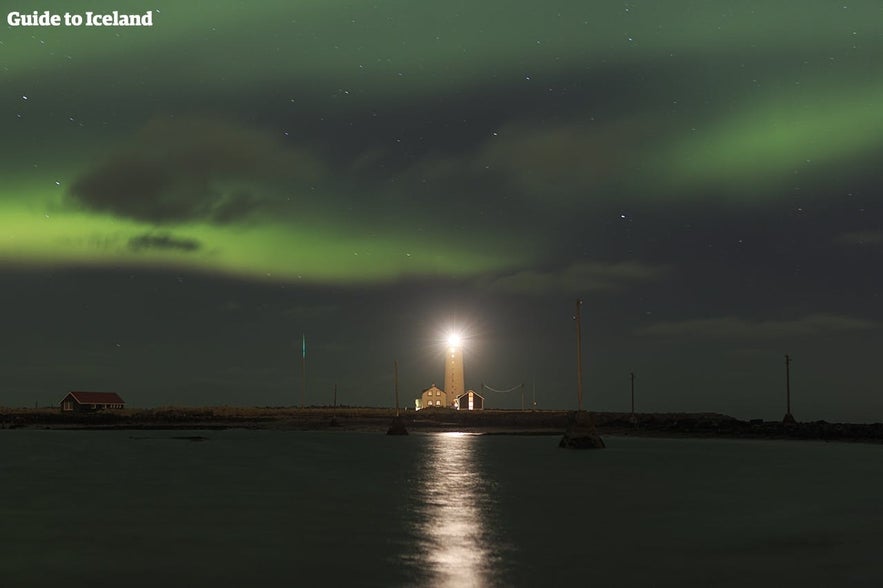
[91, 401]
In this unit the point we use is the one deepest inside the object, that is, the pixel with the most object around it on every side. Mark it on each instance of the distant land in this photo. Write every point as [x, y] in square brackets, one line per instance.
[512, 422]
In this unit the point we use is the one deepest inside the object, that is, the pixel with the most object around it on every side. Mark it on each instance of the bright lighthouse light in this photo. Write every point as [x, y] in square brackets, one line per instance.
[454, 340]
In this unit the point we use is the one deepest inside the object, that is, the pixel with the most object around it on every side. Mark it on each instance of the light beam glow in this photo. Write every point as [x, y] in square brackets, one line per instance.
[455, 340]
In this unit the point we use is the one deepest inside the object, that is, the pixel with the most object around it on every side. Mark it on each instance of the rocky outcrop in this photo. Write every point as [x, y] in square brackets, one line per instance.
[581, 433]
[397, 426]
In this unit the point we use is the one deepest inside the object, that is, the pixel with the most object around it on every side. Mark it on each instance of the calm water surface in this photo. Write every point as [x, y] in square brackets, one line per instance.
[271, 508]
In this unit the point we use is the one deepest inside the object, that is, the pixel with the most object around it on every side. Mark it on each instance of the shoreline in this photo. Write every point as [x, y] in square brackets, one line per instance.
[485, 422]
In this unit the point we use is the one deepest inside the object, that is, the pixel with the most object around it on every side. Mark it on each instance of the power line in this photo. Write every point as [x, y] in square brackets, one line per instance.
[512, 389]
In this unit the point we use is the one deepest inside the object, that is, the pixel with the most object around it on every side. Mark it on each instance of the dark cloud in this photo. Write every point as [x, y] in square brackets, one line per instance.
[739, 328]
[861, 238]
[140, 189]
[590, 276]
[179, 170]
[567, 163]
[163, 241]
[301, 312]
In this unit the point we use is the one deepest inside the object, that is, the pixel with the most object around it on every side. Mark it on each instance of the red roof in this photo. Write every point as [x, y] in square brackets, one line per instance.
[97, 398]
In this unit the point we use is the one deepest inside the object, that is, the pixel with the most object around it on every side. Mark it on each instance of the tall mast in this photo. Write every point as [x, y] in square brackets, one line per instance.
[396, 427]
[789, 418]
[787, 384]
[579, 357]
[581, 432]
[395, 368]
[632, 374]
[303, 370]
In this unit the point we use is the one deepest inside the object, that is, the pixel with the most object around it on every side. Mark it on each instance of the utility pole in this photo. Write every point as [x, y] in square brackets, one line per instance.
[581, 432]
[303, 370]
[579, 357]
[396, 427]
[789, 418]
[395, 368]
[632, 375]
[333, 422]
[788, 383]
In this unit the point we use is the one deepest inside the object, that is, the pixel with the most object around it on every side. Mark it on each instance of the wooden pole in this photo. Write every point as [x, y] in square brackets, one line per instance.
[395, 367]
[397, 427]
[579, 357]
[632, 374]
[303, 371]
[787, 384]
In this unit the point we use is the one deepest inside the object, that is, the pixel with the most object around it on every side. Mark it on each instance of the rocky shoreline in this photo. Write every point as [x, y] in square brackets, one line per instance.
[511, 422]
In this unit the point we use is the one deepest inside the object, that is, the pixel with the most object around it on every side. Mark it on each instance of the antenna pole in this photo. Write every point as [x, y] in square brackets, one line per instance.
[303, 370]
[632, 374]
[579, 356]
[787, 384]
[395, 367]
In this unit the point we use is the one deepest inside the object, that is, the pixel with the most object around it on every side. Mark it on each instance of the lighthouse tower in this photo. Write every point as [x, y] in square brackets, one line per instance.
[454, 386]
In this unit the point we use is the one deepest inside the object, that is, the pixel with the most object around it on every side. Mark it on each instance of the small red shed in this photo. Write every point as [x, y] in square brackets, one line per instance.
[89, 401]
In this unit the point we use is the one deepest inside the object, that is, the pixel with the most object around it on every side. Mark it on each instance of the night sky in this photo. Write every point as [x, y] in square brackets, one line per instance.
[180, 203]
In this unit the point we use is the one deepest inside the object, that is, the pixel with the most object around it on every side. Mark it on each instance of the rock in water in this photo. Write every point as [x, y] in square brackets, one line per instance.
[397, 427]
[581, 433]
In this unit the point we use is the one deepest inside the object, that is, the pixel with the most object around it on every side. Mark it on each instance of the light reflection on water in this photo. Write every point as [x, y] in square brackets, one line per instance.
[454, 546]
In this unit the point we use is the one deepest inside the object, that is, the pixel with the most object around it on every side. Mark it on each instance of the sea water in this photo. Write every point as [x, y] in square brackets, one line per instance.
[276, 508]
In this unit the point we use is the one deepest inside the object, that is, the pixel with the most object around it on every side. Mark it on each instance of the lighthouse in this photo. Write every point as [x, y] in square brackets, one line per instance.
[453, 392]
[454, 384]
